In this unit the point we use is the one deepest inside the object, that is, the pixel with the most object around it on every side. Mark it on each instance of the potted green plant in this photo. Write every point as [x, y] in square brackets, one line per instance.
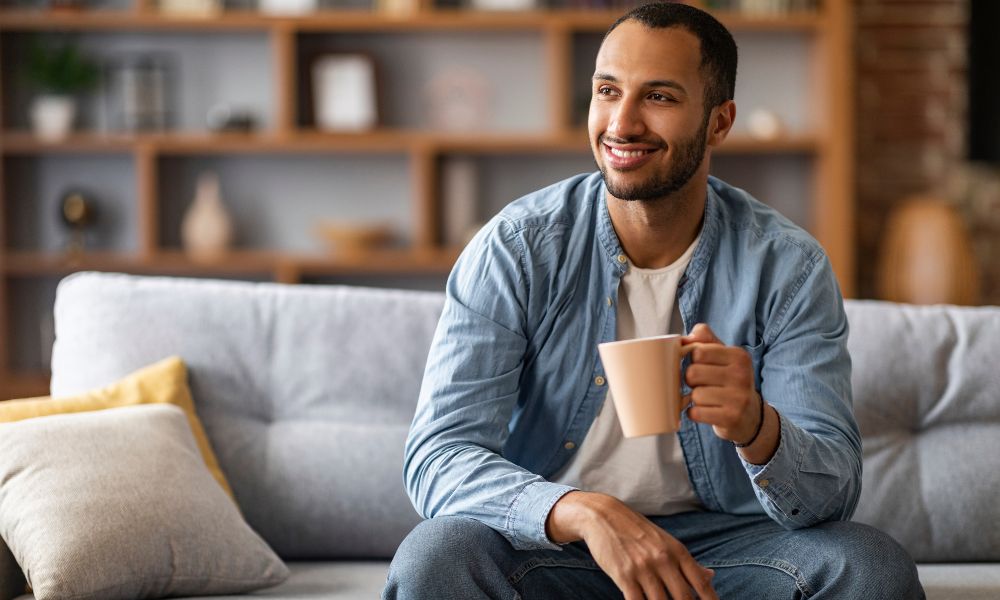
[59, 73]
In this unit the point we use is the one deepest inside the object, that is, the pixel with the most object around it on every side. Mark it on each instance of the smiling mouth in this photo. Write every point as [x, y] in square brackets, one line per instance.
[628, 153]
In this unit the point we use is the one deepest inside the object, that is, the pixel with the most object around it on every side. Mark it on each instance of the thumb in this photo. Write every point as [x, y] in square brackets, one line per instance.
[702, 333]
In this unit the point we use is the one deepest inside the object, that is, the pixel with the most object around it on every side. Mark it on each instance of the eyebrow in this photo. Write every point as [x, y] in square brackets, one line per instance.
[668, 83]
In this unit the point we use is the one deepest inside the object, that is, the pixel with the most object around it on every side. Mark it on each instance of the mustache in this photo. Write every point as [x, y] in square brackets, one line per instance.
[633, 140]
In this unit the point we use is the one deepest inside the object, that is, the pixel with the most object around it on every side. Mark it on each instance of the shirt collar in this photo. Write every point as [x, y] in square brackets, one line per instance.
[702, 253]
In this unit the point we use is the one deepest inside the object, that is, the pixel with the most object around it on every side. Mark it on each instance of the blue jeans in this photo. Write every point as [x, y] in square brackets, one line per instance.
[753, 557]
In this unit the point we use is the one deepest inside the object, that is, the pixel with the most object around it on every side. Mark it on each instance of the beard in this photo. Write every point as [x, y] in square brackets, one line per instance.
[688, 154]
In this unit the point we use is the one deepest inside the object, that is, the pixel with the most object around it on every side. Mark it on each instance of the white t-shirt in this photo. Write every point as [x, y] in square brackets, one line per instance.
[647, 473]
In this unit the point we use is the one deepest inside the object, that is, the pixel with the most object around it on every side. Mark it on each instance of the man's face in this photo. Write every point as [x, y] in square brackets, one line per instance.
[647, 120]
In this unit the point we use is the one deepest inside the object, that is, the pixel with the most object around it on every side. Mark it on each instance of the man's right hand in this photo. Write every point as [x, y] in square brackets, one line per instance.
[643, 560]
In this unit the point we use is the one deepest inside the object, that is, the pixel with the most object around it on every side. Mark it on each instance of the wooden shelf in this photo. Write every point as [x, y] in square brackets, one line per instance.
[358, 20]
[560, 36]
[384, 141]
[24, 385]
[743, 144]
[43, 20]
[27, 264]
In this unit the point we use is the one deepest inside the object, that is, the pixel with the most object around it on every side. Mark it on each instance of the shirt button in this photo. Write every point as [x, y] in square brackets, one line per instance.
[609, 301]
[621, 258]
[763, 483]
[599, 380]
[569, 445]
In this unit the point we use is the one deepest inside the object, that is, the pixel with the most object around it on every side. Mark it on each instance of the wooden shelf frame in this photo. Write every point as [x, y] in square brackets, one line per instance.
[263, 263]
[374, 142]
[374, 21]
[23, 385]
[830, 147]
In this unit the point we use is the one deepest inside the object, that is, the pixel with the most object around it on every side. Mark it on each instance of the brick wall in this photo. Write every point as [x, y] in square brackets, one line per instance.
[911, 134]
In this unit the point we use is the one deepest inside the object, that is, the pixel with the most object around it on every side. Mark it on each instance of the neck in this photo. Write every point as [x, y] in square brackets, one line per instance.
[655, 233]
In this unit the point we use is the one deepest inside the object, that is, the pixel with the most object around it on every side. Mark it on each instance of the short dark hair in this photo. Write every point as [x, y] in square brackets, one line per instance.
[718, 48]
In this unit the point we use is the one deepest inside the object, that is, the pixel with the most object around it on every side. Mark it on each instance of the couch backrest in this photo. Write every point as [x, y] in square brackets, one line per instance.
[926, 385]
[306, 392]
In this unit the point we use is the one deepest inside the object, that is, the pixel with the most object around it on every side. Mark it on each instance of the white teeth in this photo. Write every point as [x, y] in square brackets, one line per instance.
[627, 153]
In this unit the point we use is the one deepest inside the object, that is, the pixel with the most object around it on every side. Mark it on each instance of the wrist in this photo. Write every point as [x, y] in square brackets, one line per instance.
[570, 515]
[762, 450]
[761, 417]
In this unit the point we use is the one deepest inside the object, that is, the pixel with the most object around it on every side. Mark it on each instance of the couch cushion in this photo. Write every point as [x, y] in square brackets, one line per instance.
[926, 385]
[163, 382]
[960, 581]
[320, 581]
[354, 580]
[306, 392]
[117, 504]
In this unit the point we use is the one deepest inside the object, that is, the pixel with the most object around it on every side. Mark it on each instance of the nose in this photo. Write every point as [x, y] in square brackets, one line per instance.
[626, 120]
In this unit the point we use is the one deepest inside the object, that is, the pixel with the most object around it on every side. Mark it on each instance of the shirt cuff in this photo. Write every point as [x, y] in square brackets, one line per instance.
[775, 482]
[529, 513]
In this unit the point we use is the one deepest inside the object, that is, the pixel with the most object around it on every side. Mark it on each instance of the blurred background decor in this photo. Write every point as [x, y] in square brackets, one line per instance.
[458, 99]
[138, 92]
[927, 256]
[354, 238]
[59, 74]
[207, 229]
[191, 8]
[345, 92]
[77, 213]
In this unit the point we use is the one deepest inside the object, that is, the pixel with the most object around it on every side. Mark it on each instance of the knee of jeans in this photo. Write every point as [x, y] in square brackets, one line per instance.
[869, 559]
[440, 550]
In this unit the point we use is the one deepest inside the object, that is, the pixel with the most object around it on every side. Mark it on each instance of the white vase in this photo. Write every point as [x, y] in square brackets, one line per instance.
[207, 229]
[52, 116]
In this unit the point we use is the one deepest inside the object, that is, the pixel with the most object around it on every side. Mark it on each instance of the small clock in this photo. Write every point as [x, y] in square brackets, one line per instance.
[77, 212]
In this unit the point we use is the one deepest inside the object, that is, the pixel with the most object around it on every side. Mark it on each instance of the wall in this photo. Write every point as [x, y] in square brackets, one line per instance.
[911, 111]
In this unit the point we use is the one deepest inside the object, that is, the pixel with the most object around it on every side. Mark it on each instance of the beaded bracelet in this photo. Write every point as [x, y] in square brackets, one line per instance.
[760, 425]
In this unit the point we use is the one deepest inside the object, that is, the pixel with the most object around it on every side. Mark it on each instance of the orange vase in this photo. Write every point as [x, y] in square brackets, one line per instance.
[927, 256]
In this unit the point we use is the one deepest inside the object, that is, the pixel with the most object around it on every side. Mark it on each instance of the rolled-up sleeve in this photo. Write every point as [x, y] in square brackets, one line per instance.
[453, 463]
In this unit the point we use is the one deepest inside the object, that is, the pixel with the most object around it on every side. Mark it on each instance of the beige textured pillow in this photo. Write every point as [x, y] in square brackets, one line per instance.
[119, 504]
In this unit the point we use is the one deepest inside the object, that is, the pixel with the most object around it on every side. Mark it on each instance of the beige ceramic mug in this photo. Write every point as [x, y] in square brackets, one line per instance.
[644, 375]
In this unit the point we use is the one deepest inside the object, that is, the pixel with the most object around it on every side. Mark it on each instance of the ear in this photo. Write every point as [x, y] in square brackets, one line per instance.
[720, 122]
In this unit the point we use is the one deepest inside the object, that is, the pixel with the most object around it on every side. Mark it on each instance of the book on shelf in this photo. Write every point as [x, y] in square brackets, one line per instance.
[764, 7]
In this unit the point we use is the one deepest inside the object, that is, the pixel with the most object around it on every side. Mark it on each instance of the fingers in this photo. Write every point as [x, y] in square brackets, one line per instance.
[631, 591]
[680, 572]
[720, 406]
[699, 374]
[701, 333]
[700, 579]
[654, 589]
[677, 585]
[717, 354]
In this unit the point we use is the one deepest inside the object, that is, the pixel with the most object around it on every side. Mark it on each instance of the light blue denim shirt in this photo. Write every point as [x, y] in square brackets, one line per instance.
[513, 380]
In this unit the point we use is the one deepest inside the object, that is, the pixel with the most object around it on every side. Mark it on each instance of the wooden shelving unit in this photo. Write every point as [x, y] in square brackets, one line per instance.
[828, 144]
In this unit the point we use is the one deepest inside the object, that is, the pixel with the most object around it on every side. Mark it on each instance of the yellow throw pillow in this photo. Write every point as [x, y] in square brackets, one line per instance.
[164, 382]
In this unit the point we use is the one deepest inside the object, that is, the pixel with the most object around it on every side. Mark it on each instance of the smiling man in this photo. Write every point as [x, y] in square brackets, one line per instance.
[516, 455]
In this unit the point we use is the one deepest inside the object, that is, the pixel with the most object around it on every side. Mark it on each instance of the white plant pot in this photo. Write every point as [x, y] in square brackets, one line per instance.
[288, 7]
[52, 116]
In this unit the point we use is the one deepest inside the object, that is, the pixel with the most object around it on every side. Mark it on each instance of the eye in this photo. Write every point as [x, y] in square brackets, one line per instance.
[658, 97]
[605, 90]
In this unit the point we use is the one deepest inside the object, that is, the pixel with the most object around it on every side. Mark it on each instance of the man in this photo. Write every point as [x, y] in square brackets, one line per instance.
[515, 454]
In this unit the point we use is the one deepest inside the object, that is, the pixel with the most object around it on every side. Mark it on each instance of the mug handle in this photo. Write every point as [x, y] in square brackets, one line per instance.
[686, 349]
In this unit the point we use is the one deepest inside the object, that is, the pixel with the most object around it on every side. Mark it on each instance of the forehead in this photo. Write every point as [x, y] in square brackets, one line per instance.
[633, 50]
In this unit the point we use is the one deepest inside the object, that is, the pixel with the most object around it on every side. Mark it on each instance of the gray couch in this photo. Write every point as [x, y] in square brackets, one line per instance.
[306, 393]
